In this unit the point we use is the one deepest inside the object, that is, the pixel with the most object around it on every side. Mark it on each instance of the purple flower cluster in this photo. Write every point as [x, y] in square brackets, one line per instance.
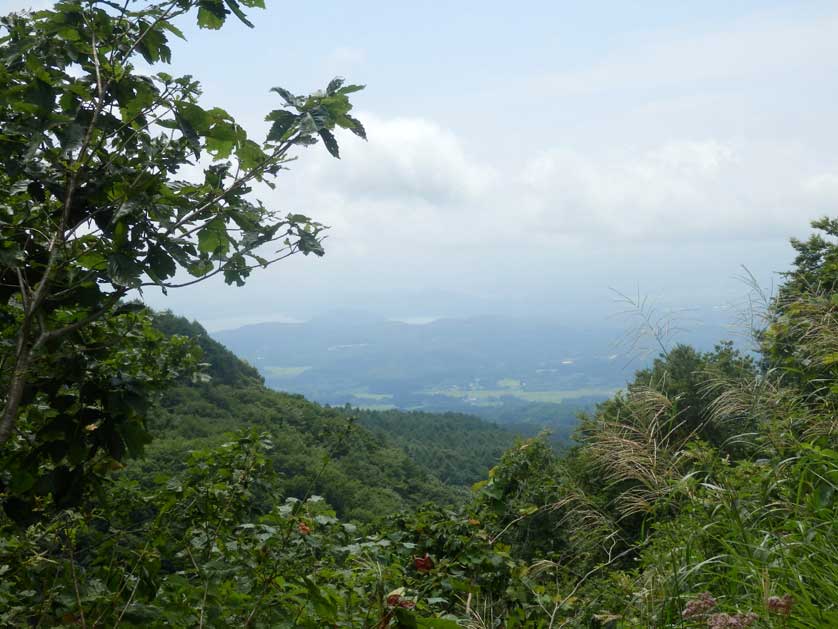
[702, 604]
[780, 604]
[699, 606]
[731, 621]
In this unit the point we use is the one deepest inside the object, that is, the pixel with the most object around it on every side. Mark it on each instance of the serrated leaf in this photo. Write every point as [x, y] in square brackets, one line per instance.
[220, 149]
[174, 30]
[199, 268]
[349, 89]
[161, 265]
[213, 237]
[196, 116]
[336, 106]
[211, 14]
[334, 85]
[286, 95]
[236, 9]
[357, 128]
[92, 261]
[250, 154]
[283, 121]
[123, 270]
[330, 142]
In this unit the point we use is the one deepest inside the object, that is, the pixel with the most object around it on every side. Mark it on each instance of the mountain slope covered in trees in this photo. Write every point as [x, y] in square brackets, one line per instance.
[363, 463]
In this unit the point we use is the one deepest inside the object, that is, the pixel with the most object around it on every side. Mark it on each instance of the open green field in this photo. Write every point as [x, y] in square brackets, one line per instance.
[372, 396]
[485, 395]
[284, 372]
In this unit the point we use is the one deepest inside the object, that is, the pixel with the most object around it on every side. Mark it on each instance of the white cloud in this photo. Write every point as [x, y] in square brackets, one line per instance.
[408, 159]
[418, 187]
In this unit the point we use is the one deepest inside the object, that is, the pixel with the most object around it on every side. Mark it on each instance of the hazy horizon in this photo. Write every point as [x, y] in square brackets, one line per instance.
[526, 159]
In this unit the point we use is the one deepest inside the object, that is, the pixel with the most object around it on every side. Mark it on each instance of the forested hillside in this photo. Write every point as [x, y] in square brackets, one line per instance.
[457, 449]
[364, 464]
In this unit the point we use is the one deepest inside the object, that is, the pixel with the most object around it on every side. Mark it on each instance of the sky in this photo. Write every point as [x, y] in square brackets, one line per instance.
[529, 157]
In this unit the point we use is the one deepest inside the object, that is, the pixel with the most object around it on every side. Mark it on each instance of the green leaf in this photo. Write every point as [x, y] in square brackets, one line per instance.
[830, 359]
[250, 154]
[349, 89]
[236, 9]
[220, 149]
[134, 436]
[120, 232]
[93, 261]
[292, 100]
[334, 85]
[69, 34]
[437, 623]
[330, 142]
[357, 128]
[153, 46]
[196, 116]
[160, 264]
[221, 139]
[405, 619]
[20, 481]
[211, 14]
[189, 133]
[337, 106]
[123, 270]
[297, 218]
[213, 237]
[174, 30]
[283, 122]
[199, 268]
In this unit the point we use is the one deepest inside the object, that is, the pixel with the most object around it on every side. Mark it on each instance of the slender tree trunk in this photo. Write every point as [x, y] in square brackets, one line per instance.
[14, 392]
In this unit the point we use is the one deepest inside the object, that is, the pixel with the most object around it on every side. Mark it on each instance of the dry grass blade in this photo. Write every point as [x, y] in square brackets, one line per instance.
[642, 446]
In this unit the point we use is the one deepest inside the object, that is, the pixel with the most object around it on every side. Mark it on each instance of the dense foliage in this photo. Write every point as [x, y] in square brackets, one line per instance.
[112, 180]
[457, 449]
[316, 449]
[703, 496]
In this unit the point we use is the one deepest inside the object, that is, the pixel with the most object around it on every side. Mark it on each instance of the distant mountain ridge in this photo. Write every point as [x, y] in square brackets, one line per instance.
[475, 365]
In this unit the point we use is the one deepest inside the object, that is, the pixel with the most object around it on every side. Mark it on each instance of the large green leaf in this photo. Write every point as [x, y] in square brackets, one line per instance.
[213, 238]
[283, 122]
[123, 270]
[211, 14]
[330, 142]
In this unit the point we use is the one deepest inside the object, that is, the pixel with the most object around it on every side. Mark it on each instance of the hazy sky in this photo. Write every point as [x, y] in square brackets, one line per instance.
[525, 157]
